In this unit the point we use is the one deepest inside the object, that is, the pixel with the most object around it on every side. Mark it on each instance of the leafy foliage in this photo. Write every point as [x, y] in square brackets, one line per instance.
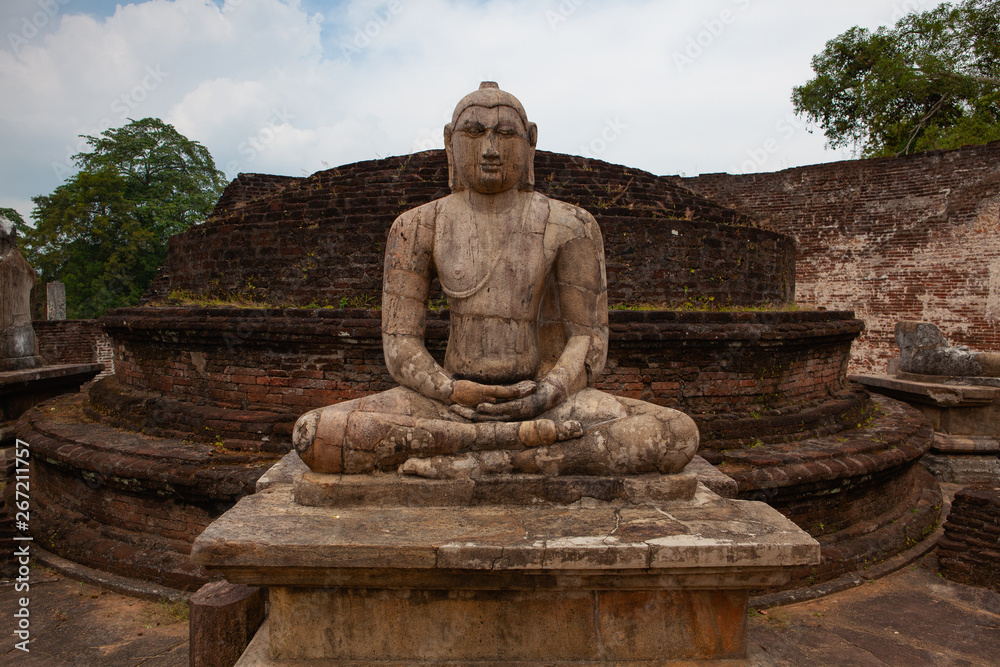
[104, 231]
[931, 82]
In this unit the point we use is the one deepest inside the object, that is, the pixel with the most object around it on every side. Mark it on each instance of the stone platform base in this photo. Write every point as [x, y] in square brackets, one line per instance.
[663, 581]
[965, 416]
[258, 655]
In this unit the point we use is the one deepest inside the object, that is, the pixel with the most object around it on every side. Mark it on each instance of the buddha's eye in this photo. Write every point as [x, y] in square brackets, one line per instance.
[474, 130]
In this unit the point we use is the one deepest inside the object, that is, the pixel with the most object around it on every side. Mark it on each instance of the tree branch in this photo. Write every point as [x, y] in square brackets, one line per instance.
[913, 135]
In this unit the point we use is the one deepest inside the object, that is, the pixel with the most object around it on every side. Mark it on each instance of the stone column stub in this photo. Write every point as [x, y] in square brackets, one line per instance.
[55, 301]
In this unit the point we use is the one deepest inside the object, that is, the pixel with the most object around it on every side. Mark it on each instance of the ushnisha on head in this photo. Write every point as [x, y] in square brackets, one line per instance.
[490, 143]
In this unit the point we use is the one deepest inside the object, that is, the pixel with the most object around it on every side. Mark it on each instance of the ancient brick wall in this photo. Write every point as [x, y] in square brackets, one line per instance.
[902, 238]
[247, 187]
[74, 342]
[321, 239]
[969, 550]
[246, 375]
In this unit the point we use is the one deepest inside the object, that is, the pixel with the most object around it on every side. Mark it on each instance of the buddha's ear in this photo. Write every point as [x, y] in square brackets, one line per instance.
[529, 183]
[452, 174]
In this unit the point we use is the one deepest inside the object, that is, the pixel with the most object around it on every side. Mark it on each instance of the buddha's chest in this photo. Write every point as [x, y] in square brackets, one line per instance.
[499, 258]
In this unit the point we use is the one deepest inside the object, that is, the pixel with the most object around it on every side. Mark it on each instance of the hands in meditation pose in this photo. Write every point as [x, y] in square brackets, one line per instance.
[526, 288]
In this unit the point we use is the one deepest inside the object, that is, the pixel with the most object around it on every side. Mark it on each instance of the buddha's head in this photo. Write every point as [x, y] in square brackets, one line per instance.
[490, 143]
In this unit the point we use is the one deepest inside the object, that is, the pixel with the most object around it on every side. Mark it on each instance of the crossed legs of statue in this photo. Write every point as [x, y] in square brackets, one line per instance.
[591, 433]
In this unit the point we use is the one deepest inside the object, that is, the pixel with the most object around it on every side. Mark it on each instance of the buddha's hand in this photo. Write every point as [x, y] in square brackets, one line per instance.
[471, 394]
[547, 395]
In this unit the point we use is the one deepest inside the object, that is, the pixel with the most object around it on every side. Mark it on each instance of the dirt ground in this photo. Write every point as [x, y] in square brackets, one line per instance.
[73, 623]
[911, 617]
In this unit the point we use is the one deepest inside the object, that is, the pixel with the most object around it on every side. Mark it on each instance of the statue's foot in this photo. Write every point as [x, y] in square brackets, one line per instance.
[325, 457]
[464, 466]
[469, 465]
[304, 433]
[541, 432]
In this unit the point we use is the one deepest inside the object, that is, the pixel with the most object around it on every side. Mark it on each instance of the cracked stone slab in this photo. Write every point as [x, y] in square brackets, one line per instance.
[268, 539]
[944, 395]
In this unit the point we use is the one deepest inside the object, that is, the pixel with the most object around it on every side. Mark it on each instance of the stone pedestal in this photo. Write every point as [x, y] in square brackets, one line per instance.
[965, 415]
[658, 573]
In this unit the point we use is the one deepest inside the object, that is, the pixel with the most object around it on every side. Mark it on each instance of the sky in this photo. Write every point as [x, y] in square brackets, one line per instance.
[296, 86]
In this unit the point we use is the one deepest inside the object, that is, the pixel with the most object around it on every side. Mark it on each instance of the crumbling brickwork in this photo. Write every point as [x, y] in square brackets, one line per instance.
[969, 551]
[319, 240]
[74, 342]
[245, 375]
[915, 237]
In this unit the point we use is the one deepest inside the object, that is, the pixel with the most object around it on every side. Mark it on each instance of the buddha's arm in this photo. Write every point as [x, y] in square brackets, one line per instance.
[405, 288]
[583, 301]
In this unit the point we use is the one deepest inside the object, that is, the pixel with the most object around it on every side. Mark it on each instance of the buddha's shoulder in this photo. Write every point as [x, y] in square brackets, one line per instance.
[570, 221]
[423, 216]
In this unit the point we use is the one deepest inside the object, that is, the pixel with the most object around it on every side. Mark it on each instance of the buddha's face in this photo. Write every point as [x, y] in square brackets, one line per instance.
[490, 149]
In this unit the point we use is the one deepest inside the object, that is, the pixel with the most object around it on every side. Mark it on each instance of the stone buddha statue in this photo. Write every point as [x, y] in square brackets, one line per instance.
[17, 337]
[526, 288]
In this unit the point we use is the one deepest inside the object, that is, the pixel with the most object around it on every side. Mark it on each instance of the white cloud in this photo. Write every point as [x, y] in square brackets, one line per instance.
[290, 86]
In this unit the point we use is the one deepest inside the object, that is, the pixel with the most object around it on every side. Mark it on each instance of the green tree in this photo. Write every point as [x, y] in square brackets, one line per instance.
[104, 231]
[932, 81]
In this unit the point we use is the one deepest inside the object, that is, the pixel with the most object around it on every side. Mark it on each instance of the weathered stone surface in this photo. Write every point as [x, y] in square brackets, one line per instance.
[320, 490]
[546, 520]
[18, 349]
[509, 584]
[223, 619]
[535, 627]
[55, 301]
[931, 393]
[964, 414]
[269, 539]
[924, 350]
[524, 276]
[963, 468]
[20, 390]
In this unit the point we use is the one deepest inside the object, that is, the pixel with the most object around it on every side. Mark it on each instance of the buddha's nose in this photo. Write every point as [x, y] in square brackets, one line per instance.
[490, 149]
